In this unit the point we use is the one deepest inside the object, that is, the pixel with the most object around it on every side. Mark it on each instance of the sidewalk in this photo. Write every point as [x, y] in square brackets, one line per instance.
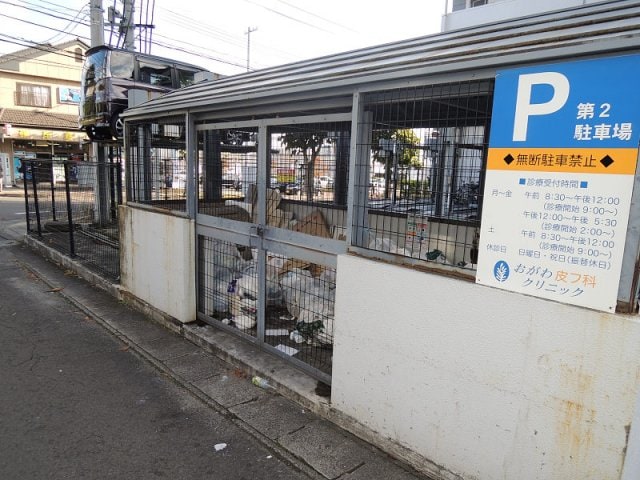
[217, 367]
[13, 191]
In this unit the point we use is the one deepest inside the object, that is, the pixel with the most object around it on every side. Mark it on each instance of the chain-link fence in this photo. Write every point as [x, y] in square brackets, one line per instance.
[157, 164]
[73, 208]
[420, 172]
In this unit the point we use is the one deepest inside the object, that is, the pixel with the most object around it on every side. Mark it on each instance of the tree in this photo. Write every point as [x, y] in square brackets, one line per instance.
[395, 148]
[406, 142]
[307, 143]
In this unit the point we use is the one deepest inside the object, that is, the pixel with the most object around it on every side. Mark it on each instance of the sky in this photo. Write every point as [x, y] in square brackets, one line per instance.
[213, 34]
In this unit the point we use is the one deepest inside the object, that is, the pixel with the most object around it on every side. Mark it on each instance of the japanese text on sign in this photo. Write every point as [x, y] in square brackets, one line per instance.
[562, 159]
[602, 130]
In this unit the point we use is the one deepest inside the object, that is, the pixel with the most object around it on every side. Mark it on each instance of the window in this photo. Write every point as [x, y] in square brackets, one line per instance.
[122, 65]
[185, 77]
[29, 95]
[155, 74]
[459, 5]
[94, 68]
[464, 4]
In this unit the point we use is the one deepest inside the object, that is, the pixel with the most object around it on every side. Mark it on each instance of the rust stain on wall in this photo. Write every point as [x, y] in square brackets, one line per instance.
[575, 432]
[575, 418]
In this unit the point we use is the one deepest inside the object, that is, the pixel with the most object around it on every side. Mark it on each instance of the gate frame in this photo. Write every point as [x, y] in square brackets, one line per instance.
[260, 235]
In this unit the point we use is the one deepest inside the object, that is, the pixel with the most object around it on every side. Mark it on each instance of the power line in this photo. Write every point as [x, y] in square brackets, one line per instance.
[226, 37]
[317, 16]
[30, 44]
[199, 53]
[70, 26]
[44, 47]
[153, 10]
[34, 46]
[47, 13]
[208, 57]
[195, 25]
[62, 7]
[297, 20]
[198, 27]
[49, 49]
[177, 18]
[187, 22]
[146, 25]
[37, 24]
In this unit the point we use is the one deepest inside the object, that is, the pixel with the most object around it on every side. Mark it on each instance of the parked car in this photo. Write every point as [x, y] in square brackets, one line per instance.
[324, 182]
[231, 181]
[292, 188]
[378, 183]
[274, 183]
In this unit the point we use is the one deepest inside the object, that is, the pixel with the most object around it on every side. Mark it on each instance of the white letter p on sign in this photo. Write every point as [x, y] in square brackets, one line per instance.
[524, 107]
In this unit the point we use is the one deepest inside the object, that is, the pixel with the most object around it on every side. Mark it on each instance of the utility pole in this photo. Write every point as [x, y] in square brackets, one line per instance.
[100, 200]
[248, 34]
[128, 25]
[97, 23]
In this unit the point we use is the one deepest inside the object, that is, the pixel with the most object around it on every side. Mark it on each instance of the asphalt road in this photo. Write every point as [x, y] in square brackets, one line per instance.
[76, 404]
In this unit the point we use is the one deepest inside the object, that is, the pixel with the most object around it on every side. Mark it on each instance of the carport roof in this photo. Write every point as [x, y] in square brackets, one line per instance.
[477, 52]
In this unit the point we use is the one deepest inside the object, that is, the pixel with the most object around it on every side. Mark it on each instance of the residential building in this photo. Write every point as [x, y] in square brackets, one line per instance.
[39, 96]
[471, 13]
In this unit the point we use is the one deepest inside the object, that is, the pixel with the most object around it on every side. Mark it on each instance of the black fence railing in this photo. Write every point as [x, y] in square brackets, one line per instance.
[73, 208]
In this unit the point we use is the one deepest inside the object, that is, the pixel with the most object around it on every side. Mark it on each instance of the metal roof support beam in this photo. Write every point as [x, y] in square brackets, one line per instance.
[628, 288]
[192, 166]
[357, 218]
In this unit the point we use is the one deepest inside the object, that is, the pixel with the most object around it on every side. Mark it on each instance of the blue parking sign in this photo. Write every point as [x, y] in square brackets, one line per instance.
[581, 104]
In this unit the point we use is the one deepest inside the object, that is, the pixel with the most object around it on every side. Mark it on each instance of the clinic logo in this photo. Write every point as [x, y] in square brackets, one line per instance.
[501, 271]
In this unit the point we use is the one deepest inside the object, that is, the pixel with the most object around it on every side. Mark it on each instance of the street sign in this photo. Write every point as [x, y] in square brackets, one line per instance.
[562, 159]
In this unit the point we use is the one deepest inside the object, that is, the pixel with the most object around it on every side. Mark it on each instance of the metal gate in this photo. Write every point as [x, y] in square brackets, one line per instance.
[270, 220]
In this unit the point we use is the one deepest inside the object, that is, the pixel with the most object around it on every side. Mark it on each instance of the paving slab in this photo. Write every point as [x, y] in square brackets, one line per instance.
[229, 389]
[169, 346]
[135, 329]
[104, 310]
[196, 366]
[327, 449]
[386, 470]
[274, 416]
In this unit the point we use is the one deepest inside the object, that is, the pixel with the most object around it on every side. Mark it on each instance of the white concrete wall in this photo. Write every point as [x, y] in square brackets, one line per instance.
[485, 383]
[157, 260]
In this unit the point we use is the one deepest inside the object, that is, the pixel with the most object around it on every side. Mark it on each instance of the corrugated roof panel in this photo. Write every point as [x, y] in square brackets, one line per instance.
[595, 28]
